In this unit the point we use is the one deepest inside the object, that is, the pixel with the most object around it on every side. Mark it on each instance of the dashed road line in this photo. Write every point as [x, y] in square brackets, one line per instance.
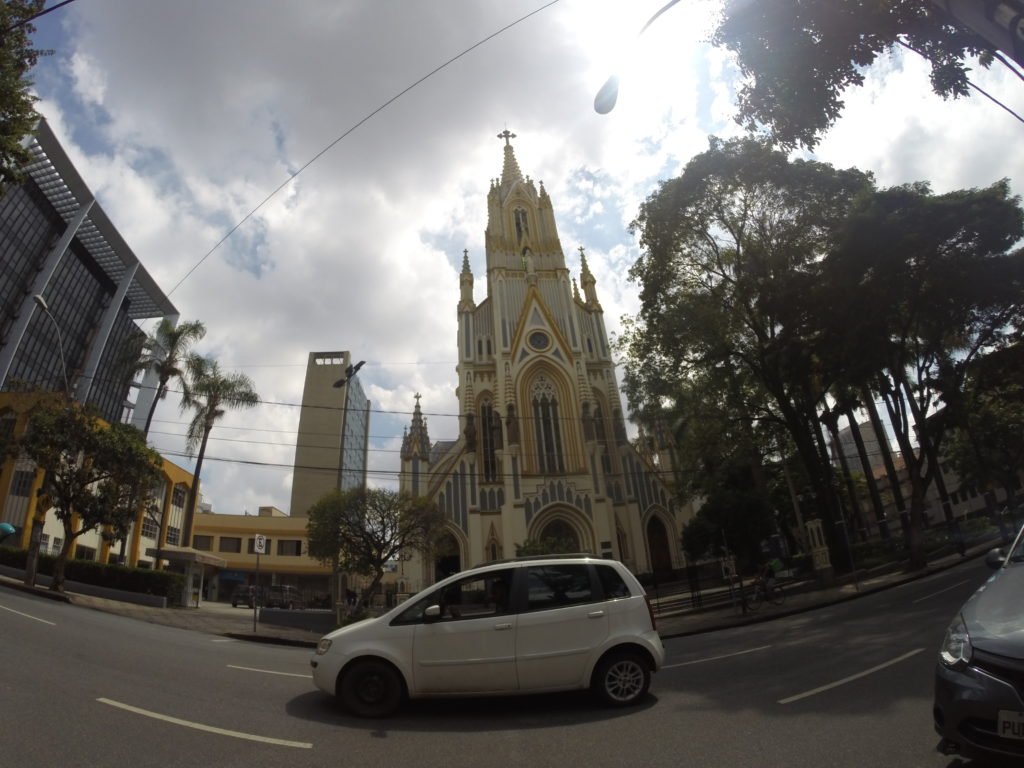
[206, 728]
[28, 616]
[269, 671]
[716, 658]
[851, 678]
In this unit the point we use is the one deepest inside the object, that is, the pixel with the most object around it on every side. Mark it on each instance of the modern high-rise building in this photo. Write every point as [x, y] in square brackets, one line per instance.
[543, 451]
[71, 291]
[334, 429]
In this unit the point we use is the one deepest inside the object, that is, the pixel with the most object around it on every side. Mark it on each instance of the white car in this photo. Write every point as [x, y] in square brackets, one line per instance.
[551, 623]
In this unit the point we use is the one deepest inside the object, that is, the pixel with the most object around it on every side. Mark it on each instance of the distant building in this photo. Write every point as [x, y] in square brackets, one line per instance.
[848, 448]
[542, 451]
[334, 429]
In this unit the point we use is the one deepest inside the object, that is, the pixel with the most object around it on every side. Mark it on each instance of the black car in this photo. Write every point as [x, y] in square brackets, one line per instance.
[247, 596]
[979, 680]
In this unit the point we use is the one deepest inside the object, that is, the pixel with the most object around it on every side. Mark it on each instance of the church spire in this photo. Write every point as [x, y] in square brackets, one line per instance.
[416, 441]
[588, 282]
[466, 285]
[510, 172]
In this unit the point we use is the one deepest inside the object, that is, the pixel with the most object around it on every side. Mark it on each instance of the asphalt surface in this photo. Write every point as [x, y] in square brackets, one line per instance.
[672, 620]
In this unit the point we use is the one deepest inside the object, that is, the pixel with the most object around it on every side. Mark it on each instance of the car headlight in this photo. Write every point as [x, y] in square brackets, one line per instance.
[323, 646]
[956, 645]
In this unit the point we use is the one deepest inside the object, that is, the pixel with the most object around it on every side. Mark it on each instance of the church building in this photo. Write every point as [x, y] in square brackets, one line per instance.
[542, 451]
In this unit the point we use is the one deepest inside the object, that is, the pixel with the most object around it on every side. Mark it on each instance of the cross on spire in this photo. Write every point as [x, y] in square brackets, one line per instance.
[506, 135]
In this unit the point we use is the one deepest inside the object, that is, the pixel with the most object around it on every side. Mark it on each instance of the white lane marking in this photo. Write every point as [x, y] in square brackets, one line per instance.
[207, 728]
[269, 671]
[716, 658]
[27, 616]
[851, 678]
[224, 640]
[933, 594]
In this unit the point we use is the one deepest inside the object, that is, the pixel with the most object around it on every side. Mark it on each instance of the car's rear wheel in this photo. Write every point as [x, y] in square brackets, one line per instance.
[371, 688]
[621, 678]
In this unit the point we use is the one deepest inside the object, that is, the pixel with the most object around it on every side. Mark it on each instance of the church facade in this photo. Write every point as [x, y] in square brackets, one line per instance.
[542, 452]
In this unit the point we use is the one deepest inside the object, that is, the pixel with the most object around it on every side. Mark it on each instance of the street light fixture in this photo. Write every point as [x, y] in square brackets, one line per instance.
[605, 100]
[350, 372]
[41, 302]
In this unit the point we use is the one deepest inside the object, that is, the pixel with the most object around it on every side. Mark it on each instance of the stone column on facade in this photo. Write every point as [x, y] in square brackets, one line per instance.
[165, 516]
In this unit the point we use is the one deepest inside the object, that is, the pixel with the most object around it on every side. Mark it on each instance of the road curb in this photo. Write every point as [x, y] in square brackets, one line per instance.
[59, 597]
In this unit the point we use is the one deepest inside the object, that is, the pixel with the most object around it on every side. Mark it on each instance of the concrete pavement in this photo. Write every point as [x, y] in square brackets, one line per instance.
[223, 620]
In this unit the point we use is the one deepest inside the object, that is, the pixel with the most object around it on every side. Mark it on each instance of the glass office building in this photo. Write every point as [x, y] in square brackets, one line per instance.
[72, 293]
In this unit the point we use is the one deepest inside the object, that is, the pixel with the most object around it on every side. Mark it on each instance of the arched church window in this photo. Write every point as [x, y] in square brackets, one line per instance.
[490, 441]
[601, 435]
[522, 229]
[547, 427]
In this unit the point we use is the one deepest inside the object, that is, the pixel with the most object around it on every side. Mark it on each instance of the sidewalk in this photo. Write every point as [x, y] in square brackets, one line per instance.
[223, 620]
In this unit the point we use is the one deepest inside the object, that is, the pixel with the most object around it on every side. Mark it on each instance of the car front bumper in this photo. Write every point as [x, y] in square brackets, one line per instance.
[968, 701]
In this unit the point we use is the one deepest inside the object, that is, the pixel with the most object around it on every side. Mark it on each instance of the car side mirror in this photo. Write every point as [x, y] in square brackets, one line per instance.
[432, 613]
[995, 558]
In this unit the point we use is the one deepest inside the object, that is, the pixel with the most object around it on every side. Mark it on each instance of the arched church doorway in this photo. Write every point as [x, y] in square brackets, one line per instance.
[447, 560]
[657, 543]
[561, 536]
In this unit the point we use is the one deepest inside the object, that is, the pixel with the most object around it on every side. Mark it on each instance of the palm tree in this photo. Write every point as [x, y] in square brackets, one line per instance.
[209, 392]
[166, 352]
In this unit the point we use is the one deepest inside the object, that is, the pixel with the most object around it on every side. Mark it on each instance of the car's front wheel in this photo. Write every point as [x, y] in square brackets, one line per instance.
[621, 678]
[371, 688]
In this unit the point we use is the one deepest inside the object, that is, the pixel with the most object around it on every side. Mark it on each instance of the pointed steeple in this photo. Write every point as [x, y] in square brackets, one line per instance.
[510, 172]
[588, 282]
[466, 285]
[416, 441]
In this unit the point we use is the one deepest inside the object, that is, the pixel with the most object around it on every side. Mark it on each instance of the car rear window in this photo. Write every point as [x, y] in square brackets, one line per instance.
[612, 582]
[555, 586]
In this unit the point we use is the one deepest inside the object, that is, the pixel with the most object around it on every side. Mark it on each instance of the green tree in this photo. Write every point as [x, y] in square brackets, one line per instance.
[87, 466]
[731, 255]
[166, 352]
[798, 57]
[361, 530]
[17, 114]
[210, 392]
[917, 287]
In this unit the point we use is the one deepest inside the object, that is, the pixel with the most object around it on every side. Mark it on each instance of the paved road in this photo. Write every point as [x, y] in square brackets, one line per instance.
[847, 685]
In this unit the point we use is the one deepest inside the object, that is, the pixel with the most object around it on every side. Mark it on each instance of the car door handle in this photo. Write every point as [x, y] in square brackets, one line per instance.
[500, 627]
[595, 614]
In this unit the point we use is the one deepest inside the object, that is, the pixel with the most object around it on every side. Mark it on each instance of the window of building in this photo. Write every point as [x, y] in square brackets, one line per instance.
[252, 547]
[58, 543]
[490, 441]
[85, 553]
[547, 427]
[178, 498]
[44, 543]
[173, 535]
[289, 547]
[522, 228]
[202, 543]
[21, 484]
[230, 544]
[149, 527]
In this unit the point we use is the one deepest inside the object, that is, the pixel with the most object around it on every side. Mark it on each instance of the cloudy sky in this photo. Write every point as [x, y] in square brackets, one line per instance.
[183, 115]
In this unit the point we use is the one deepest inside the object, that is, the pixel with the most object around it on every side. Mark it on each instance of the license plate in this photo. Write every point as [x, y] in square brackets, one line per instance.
[1010, 724]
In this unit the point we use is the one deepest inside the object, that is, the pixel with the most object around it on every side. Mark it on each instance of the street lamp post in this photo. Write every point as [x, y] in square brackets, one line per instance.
[35, 538]
[41, 302]
[350, 372]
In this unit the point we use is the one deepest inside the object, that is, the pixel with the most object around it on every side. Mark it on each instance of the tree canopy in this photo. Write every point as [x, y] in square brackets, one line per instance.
[798, 57]
[771, 289]
[17, 112]
[361, 530]
[91, 469]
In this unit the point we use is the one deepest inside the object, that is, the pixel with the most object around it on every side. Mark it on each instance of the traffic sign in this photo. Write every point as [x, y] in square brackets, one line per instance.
[260, 544]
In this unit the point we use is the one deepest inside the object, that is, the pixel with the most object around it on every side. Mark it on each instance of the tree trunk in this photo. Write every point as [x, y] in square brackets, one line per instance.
[865, 462]
[193, 492]
[161, 388]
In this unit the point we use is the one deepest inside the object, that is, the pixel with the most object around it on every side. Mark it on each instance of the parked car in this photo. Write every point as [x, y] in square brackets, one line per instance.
[979, 680]
[283, 596]
[247, 595]
[528, 625]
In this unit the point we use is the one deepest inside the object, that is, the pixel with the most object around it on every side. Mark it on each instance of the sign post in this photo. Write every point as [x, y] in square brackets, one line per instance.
[260, 547]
